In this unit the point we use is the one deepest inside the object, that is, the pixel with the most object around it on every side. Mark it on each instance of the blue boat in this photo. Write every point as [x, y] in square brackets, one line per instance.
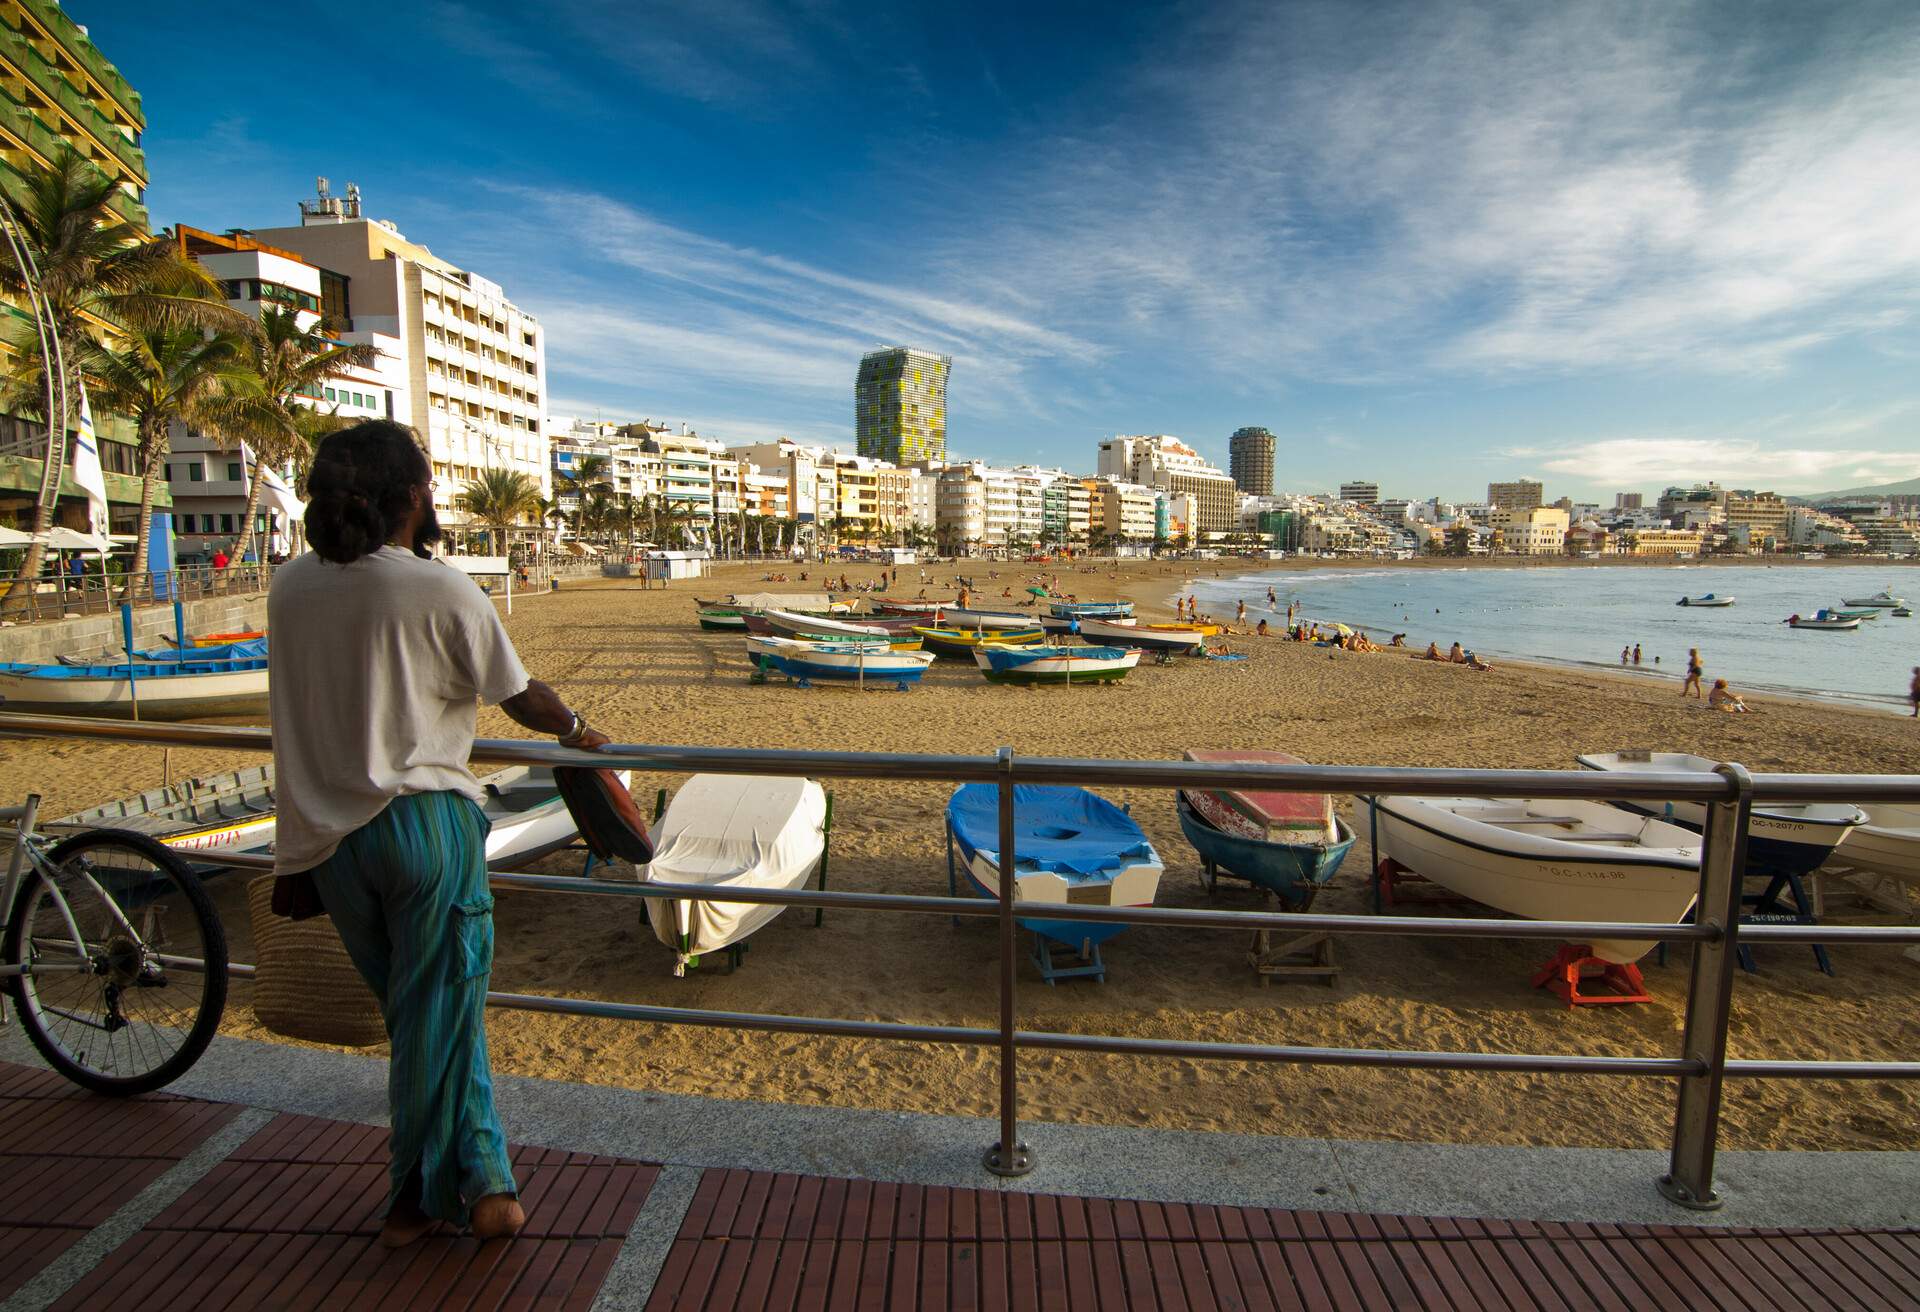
[862, 663]
[1292, 872]
[1071, 848]
[1100, 610]
[160, 689]
[253, 648]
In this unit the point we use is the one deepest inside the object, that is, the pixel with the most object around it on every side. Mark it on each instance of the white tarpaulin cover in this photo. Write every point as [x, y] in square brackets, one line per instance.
[782, 600]
[732, 830]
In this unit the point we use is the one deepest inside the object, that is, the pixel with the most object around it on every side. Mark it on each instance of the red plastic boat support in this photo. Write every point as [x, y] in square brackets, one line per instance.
[1575, 965]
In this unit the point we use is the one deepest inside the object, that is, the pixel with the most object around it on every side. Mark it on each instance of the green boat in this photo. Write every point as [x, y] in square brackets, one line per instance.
[723, 619]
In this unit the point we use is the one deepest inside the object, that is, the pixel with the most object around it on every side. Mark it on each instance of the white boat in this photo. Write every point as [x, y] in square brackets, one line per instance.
[234, 813]
[952, 617]
[1883, 599]
[735, 831]
[1823, 620]
[1782, 837]
[860, 662]
[1552, 859]
[1150, 637]
[1710, 599]
[787, 624]
[164, 690]
[1887, 844]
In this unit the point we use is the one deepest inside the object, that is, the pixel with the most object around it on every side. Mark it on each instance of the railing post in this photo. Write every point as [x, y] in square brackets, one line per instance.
[1696, 1118]
[1008, 1156]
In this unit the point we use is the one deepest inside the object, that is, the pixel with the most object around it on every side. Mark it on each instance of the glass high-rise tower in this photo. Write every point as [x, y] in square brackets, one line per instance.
[900, 405]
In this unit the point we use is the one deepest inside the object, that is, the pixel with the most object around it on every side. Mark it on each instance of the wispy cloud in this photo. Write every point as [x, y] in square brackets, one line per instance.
[1657, 461]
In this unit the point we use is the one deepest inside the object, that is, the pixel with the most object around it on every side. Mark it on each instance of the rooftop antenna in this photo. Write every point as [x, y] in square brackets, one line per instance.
[353, 200]
[320, 185]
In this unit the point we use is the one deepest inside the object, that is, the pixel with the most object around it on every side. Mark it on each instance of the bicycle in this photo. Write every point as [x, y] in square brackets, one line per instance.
[113, 954]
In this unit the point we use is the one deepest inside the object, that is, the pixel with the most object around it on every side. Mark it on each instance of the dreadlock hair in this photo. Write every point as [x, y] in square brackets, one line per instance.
[359, 490]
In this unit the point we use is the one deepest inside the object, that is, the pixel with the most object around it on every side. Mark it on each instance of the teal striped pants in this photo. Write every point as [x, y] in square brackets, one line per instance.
[408, 893]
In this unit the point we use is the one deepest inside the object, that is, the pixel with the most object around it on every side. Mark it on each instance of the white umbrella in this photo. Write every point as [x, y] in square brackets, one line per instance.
[66, 539]
[13, 537]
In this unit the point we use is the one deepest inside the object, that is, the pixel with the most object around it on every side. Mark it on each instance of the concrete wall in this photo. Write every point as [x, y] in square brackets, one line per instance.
[92, 634]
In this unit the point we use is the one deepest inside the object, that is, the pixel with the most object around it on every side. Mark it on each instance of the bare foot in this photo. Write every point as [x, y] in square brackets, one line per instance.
[405, 1223]
[497, 1216]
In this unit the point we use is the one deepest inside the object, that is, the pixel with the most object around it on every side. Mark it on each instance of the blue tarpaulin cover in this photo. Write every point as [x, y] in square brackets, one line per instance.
[1058, 828]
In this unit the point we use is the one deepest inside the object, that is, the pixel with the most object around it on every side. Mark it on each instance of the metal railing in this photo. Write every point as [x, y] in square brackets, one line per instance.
[1729, 795]
[54, 596]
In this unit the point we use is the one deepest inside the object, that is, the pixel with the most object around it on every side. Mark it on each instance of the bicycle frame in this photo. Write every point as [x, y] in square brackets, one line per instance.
[27, 851]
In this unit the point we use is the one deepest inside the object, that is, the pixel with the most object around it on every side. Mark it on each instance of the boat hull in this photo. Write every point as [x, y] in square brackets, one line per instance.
[1131, 886]
[1064, 668]
[160, 696]
[1591, 884]
[1887, 844]
[1292, 872]
[1104, 633]
[960, 644]
[723, 623]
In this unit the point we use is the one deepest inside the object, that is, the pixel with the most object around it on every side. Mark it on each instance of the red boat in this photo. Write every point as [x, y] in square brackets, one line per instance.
[1270, 817]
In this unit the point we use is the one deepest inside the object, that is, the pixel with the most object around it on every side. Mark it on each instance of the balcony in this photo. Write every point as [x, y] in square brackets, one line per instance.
[34, 66]
[71, 39]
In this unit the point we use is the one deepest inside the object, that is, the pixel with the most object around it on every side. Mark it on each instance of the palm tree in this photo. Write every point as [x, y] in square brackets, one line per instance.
[500, 499]
[98, 277]
[590, 475]
[292, 362]
[596, 514]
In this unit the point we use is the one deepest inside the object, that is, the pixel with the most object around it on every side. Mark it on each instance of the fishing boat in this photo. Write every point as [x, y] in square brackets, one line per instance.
[1859, 613]
[1071, 848]
[955, 617]
[1710, 599]
[819, 628]
[1099, 610]
[1888, 843]
[1044, 663]
[217, 639]
[1287, 843]
[960, 644]
[1551, 859]
[723, 619]
[1791, 838]
[862, 663]
[1902, 613]
[1149, 637]
[1882, 599]
[733, 831]
[233, 814]
[234, 651]
[889, 606]
[172, 689]
[1823, 620]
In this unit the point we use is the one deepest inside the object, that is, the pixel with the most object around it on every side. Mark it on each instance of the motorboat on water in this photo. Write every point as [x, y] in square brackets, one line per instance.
[1547, 859]
[1823, 621]
[735, 831]
[1882, 599]
[1290, 844]
[1071, 848]
[1858, 613]
[1045, 663]
[1710, 599]
[1790, 838]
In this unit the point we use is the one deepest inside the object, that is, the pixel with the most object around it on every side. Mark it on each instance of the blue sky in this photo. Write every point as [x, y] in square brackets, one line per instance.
[1434, 244]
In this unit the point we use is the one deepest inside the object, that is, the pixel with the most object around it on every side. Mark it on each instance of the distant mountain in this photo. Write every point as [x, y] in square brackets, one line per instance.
[1906, 488]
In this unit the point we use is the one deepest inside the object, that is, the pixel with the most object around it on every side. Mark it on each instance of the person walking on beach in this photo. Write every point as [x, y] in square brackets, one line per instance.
[1913, 692]
[1694, 670]
[379, 653]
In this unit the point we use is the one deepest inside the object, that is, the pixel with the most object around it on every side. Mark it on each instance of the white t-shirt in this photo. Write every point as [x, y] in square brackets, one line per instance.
[373, 672]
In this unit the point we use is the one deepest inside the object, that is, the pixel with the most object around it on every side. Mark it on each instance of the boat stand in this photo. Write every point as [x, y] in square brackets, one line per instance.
[1574, 964]
[1766, 908]
[1393, 882]
[1057, 961]
[1304, 956]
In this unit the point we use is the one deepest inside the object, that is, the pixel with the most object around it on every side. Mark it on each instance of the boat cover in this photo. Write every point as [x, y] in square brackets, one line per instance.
[1059, 828]
[1268, 816]
[744, 830]
[782, 600]
[169, 668]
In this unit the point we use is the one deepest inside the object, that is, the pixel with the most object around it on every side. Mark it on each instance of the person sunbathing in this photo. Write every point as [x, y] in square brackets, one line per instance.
[1432, 653]
[1723, 698]
[1456, 655]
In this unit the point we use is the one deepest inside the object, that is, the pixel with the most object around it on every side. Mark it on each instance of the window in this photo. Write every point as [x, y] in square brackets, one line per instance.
[226, 523]
[169, 473]
[196, 472]
[330, 395]
[233, 471]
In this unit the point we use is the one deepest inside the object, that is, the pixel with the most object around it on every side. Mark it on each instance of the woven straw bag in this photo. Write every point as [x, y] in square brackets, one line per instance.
[305, 985]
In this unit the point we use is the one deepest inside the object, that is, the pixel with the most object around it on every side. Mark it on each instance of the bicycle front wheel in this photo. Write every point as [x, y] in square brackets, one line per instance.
[125, 962]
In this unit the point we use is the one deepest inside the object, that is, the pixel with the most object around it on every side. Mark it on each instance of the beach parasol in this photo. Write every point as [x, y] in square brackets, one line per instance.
[1039, 592]
[1342, 630]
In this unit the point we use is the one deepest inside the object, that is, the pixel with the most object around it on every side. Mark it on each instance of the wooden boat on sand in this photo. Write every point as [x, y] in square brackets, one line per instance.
[1552, 859]
[960, 643]
[172, 689]
[1148, 637]
[863, 663]
[735, 831]
[1287, 843]
[1042, 663]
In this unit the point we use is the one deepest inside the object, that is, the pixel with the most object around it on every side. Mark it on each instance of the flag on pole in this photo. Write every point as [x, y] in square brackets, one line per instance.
[87, 472]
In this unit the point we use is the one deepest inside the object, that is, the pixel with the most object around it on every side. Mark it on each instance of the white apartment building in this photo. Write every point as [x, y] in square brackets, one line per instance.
[923, 497]
[1360, 493]
[1532, 531]
[1167, 464]
[1808, 526]
[1123, 511]
[475, 363]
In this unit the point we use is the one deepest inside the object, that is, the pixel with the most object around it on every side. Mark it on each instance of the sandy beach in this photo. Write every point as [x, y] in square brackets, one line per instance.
[635, 662]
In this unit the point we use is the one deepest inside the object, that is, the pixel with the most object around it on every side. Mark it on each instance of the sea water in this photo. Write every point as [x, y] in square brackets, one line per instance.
[1584, 615]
